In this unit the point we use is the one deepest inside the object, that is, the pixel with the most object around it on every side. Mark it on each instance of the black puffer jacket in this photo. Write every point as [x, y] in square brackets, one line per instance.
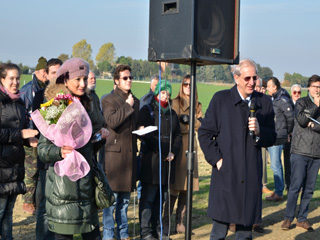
[150, 149]
[12, 120]
[284, 117]
[305, 140]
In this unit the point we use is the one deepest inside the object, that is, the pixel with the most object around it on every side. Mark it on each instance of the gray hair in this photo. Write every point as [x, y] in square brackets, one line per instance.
[295, 85]
[156, 77]
[244, 63]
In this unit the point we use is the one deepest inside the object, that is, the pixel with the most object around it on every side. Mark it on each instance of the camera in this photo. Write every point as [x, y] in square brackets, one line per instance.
[184, 118]
[96, 138]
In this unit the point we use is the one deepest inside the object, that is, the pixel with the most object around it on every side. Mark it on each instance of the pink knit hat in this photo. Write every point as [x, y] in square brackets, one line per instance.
[75, 67]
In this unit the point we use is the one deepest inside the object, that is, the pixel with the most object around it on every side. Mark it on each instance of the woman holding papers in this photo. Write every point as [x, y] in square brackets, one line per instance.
[170, 141]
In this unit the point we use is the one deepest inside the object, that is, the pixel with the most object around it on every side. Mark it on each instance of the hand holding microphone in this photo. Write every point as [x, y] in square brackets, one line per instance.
[253, 122]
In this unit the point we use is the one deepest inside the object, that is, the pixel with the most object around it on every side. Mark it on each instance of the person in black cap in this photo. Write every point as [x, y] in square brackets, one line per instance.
[28, 91]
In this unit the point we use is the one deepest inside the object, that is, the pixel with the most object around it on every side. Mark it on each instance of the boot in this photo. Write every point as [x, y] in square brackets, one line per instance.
[181, 211]
[166, 217]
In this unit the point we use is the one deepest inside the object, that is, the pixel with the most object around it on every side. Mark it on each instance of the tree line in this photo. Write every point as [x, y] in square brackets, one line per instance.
[106, 61]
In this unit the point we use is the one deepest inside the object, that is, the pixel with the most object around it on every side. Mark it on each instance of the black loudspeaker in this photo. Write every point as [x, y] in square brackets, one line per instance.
[184, 31]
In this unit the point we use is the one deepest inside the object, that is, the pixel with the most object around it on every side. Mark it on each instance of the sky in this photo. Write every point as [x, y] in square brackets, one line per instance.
[283, 35]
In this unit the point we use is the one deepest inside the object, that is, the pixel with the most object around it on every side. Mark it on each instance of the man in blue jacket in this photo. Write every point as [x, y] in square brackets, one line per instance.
[231, 141]
[283, 110]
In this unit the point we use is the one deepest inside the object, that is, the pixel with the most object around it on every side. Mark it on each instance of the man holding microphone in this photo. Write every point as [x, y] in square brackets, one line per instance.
[235, 155]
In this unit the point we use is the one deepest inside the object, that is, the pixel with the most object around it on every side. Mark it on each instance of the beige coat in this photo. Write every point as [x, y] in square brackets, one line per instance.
[180, 183]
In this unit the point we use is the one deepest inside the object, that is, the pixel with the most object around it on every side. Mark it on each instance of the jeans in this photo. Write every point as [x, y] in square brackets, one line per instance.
[139, 188]
[304, 172]
[149, 209]
[6, 210]
[121, 208]
[220, 229]
[42, 232]
[276, 166]
[94, 235]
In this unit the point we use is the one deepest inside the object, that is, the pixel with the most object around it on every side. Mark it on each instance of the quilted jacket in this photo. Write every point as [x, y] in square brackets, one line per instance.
[305, 140]
[70, 205]
[12, 121]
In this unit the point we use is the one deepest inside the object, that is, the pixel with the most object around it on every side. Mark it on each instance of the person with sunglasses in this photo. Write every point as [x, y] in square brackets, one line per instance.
[120, 110]
[231, 141]
[295, 92]
[181, 105]
[295, 95]
[305, 156]
[284, 121]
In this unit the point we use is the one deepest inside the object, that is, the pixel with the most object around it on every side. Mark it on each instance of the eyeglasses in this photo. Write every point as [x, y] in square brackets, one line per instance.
[126, 78]
[186, 84]
[296, 92]
[247, 79]
[318, 87]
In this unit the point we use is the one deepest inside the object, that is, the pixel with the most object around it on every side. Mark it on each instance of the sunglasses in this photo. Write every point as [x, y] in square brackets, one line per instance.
[247, 79]
[186, 84]
[126, 78]
[296, 92]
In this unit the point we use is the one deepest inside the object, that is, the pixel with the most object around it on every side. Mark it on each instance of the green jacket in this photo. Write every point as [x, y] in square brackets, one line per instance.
[70, 205]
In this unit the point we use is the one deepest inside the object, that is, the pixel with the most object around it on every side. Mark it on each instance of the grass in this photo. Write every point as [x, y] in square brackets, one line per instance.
[205, 90]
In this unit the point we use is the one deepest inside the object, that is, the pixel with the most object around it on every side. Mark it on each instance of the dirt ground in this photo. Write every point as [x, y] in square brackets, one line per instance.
[272, 216]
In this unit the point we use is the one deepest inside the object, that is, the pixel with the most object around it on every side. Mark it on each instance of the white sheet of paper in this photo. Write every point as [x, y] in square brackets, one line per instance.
[145, 130]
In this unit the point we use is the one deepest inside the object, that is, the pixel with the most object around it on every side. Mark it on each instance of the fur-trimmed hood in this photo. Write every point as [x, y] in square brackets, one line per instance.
[53, 89]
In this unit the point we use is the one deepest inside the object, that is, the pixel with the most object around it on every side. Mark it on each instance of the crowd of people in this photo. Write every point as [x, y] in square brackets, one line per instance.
[241, 127]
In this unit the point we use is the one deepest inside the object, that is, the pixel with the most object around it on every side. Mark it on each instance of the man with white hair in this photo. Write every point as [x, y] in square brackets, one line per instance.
[146, 99]
[295, 92]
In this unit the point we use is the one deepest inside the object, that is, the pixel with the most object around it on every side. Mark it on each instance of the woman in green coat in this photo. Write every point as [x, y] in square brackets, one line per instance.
[70, 204]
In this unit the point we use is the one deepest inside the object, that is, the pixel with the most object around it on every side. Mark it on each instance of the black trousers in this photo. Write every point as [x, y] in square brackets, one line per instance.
[149, 209]
[287, 164]
[220, 229]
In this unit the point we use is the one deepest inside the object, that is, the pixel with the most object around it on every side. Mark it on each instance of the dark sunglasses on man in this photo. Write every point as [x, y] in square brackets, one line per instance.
[126, 78]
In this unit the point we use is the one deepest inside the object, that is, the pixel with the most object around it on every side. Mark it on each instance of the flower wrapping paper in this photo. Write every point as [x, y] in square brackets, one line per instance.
[73, 129]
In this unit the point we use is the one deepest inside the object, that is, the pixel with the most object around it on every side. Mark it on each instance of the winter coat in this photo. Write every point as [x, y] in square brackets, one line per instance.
[70, 205]
[121, 147]
[180, 183]
[12, 120]
[236, 189]
[305, 140]
[27, 94]
[284, 117]
[146, 99]
[149, 172]
[98, 117]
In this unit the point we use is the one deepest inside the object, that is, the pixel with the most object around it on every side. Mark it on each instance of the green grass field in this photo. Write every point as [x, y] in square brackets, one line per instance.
[205, 91]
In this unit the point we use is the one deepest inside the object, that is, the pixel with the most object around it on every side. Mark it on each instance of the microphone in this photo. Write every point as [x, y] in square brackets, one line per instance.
[252, 114]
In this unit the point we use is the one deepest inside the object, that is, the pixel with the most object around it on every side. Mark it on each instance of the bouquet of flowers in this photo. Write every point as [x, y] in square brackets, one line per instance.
[64, 121]
[52, 110]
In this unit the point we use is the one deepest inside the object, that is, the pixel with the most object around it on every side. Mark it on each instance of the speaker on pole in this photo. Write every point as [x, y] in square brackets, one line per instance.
[201, 31]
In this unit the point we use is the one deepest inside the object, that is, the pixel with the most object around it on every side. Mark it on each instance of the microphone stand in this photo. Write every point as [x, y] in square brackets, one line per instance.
[191, 152]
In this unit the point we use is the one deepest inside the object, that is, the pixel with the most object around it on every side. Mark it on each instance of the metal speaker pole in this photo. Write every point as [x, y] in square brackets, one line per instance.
[191, 152]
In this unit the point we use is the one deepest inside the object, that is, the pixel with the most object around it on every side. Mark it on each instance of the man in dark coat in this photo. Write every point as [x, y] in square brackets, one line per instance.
[120, 110]
[231, 142]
